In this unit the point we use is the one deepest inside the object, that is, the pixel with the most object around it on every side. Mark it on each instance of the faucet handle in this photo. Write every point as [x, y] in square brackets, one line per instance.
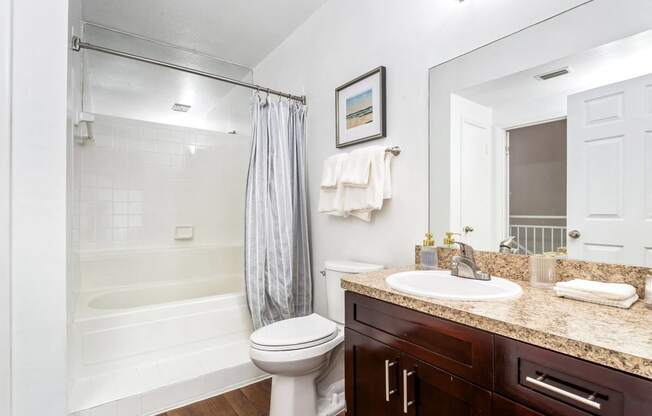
[449, 240]
[466, 251]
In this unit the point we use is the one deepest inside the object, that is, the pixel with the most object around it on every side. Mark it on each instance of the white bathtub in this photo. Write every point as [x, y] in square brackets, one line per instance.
[160, 328]
[118, 323]
[156, 294]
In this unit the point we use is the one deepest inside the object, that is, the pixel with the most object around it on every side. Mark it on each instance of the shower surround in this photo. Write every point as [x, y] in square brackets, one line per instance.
[149, 331]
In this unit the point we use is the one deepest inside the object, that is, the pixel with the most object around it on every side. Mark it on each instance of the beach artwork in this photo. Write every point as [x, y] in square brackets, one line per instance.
[359, 109]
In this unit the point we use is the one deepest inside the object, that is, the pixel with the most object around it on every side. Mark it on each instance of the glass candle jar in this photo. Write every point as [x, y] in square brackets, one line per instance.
[543, 270]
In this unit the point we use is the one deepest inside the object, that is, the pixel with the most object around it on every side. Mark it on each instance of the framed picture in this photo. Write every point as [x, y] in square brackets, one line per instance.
[360, 109]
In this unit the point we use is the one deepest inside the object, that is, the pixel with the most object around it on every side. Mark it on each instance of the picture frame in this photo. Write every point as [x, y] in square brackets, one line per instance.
[360, 109]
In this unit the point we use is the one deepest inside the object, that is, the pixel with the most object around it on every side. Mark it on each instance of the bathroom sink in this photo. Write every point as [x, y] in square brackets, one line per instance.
[440, 284]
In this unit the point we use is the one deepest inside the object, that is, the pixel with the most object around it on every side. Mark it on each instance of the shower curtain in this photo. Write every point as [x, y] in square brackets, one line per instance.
[277, 255]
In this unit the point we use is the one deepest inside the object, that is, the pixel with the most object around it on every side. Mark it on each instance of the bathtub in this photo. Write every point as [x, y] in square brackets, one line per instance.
[114, 324]
[159, 328]
[136, 297]
[161, 346]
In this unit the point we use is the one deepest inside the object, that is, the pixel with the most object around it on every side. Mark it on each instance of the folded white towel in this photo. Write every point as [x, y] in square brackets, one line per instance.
[370, 197]
[609, 291]
[332, 170]
[355, 200]
[584, 297]
[356, 168]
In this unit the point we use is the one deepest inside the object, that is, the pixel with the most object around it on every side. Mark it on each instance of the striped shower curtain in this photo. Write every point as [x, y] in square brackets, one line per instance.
[277, 255]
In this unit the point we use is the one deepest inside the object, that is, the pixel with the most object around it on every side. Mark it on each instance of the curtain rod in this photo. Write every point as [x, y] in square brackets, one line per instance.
[78, 44]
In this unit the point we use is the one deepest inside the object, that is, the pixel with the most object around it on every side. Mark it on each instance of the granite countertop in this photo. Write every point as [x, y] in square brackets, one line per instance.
[617, 338]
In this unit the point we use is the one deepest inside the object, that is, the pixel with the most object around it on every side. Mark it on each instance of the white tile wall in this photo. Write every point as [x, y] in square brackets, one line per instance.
[139, 180]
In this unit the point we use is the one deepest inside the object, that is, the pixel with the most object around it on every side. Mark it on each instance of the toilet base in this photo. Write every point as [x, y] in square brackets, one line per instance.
[294, 396]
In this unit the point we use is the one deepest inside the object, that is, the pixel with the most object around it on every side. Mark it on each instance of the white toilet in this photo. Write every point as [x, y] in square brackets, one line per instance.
[305, 355]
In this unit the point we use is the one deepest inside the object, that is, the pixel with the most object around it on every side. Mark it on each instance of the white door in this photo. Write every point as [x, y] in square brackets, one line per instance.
[472, 199]
[610, 173]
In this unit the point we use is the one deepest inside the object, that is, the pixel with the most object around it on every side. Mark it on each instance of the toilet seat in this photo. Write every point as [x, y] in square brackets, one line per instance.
[288, 356]
[294, 334]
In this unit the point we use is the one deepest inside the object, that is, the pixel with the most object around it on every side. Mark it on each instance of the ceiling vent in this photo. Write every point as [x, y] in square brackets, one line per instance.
[182, 108]
[553, 74]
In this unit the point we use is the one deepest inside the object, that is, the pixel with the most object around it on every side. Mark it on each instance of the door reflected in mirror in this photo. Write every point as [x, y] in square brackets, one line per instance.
[550, 152]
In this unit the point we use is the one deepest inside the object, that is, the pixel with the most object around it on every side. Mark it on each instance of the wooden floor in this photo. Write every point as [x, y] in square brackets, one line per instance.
[252, 400]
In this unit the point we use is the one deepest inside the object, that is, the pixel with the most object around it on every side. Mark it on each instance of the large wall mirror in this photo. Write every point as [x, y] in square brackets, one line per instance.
[545, 137]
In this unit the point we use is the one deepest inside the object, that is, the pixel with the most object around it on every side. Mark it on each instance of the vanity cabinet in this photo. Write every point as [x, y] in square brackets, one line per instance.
[431, 391]
[383, 381]
[404, 362]
[372, 374]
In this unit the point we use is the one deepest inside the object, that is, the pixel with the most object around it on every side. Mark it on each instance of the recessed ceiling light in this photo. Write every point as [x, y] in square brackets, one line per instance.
[182, 108]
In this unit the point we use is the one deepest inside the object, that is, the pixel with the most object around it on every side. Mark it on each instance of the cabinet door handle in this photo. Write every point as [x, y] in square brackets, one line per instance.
[539, 382]
[388, 392]
[406, 403]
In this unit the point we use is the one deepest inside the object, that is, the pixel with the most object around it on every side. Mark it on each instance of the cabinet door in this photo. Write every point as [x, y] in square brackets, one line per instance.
[426, 390]
[372, 377]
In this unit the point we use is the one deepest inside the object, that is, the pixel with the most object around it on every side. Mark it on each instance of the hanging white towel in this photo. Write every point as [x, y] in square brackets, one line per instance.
[387, 190]
[328, 203]
[371, 197]
[610, 291]
[356, 169]
[332, 170]
[356, 200]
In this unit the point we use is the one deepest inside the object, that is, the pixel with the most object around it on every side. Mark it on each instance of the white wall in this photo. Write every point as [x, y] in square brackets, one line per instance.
[344, 39]
[38, 204]
[5, 226]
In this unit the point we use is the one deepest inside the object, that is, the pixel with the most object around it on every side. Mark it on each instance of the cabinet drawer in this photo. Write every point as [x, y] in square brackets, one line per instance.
[505, 407]
[458, 349]
[556, 384]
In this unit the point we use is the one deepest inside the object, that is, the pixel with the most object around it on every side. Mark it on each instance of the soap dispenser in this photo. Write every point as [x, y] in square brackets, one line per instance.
[428, 257]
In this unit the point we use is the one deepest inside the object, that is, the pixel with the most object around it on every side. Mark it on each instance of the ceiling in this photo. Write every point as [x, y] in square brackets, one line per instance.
[521, 95]
[239, 31]
[129, 89]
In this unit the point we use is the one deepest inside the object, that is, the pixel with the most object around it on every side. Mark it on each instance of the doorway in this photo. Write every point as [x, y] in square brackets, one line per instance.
[536, 160]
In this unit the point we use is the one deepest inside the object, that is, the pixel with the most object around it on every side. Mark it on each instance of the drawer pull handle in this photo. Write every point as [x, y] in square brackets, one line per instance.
[406, 403]
[388, 392]
[539, 382]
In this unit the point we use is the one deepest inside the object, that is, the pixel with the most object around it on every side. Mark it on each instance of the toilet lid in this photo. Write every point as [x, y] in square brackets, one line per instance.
[294, 333]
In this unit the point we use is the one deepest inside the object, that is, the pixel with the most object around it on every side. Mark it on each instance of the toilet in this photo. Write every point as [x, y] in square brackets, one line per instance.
[305, 355]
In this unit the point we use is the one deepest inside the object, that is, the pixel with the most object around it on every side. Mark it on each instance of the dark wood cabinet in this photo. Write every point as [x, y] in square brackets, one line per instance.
[505, 407]
[404, 362]
[559, 385]
[372, 374]
[458, 349]
[431, 391]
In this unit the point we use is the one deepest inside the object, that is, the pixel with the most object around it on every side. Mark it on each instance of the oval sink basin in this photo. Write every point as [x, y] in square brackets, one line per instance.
[440, 284]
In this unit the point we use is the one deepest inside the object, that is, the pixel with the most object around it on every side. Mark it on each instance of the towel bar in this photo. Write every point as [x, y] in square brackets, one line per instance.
[395, 150]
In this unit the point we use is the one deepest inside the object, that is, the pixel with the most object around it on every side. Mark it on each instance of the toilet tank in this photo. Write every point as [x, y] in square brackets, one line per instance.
[334, 292]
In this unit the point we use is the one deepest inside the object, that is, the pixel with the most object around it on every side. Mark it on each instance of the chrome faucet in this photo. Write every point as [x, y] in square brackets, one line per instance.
[464, 265]
[507, 246]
